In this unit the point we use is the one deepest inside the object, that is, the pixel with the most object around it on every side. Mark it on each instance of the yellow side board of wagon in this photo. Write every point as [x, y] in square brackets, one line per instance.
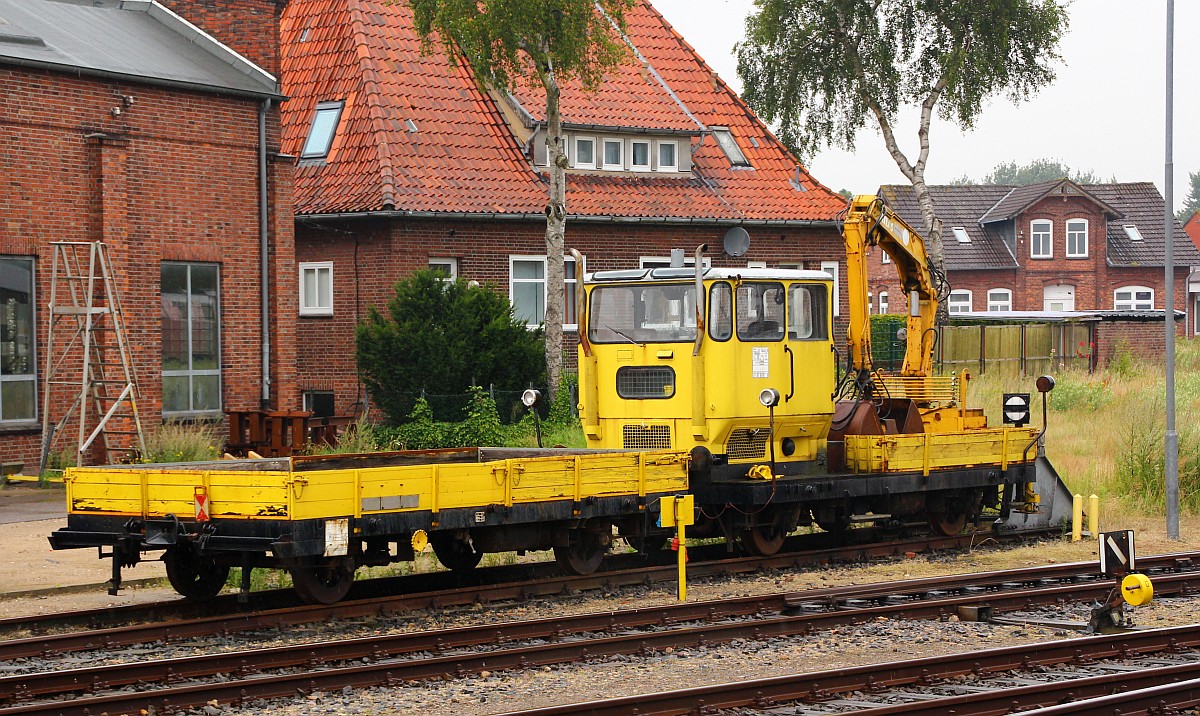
[294, 494]
[930, 451]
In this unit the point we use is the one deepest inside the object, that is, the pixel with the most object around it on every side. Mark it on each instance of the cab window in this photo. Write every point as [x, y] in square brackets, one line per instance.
[720, 312]
[760, 311]
[647, 313]
[807, 312]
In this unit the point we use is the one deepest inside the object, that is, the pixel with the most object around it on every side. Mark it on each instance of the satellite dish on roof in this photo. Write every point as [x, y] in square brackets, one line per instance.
[736, 241]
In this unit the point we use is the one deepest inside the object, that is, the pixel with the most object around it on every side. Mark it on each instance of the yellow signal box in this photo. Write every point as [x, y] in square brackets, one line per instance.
[679, 511]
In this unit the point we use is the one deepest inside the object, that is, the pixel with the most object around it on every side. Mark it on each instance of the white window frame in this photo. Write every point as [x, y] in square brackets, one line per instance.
[1131, 230]
[189, 331]
[451, 264]
[831, 268]
[1033, 242]
[884, 257]
[1004, 304]
[620, 165]
[960, 234]
[633, 155]
[580, 164]
[1133, 303]
[959, 298]
[673, 167]
[317, 145]
[314, 307]
[30, 376]
[568, 282]
[1077, 254]
[883, 302]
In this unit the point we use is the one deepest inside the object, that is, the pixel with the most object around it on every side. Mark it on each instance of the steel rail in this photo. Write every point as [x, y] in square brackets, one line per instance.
[565, 636]
[706, 561]
[40, 645]
[827, 685]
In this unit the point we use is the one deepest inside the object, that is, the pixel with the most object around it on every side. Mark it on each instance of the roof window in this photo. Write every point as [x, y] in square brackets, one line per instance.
[324, 126]
[960, 233]
[1132, 232]
[730, 146]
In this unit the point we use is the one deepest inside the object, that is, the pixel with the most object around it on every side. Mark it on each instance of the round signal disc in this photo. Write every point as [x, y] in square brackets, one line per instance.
[1137, 589]
[420, 541]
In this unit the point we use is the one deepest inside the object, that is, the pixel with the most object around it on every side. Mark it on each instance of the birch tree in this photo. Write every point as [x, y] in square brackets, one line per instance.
[823, 70]
[550, 43]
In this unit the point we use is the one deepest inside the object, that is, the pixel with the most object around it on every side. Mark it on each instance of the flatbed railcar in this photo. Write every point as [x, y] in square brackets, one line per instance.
[320, 517]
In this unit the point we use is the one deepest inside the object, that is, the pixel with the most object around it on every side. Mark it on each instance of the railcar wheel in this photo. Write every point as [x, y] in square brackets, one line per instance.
[947, 524]
[325, 583]
[583, 555]
[195, 577]
[455, 554]
[762, 541]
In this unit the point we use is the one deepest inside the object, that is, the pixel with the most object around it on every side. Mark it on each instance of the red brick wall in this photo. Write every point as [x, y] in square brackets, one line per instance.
[248, 27]
[172, 178]
[1094, 280]
[369, 256]
[1141, 339]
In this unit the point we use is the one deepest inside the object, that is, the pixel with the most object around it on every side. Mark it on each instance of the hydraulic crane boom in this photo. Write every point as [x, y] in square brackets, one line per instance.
[869, 222]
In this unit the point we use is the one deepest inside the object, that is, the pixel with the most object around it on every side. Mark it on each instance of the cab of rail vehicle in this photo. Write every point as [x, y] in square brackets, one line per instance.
[676, 358]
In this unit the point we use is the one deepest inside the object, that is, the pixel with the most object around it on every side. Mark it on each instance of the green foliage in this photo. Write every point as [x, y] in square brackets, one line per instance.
[443, 337]
[184, 442]
[360, 437]
[1140, 466]
[822, 69]
[481, 426]
[507, 40]
[1191, 204]
[562, 410]
[1035, 172]
[1076, 390]
[1121, 362]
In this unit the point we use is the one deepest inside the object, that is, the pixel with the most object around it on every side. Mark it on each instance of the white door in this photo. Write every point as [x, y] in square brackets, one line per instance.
[1060, 297]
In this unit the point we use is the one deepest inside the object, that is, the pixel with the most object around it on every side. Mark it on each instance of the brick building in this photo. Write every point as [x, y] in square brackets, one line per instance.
[129, 124]
[1055, 246]
[405, 163]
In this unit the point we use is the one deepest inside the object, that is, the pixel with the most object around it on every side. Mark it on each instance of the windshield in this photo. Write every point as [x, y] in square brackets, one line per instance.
[643, 313]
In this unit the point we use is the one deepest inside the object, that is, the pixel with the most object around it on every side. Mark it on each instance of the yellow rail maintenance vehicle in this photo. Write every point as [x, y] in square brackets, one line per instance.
[718, 382]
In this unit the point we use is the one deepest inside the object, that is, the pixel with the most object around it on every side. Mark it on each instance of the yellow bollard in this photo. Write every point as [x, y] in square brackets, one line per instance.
[682, 590]
[1077, 518]
[1094, 516]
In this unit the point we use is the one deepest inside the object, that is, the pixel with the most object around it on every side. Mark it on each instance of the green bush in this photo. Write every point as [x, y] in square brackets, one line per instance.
[1076, 389]
[444, 337]
[481, 426]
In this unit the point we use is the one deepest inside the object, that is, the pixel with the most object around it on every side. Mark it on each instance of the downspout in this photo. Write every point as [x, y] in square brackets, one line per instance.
[264, 262]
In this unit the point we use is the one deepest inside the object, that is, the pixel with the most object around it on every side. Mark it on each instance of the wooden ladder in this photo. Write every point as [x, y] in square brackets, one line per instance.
[88, 363]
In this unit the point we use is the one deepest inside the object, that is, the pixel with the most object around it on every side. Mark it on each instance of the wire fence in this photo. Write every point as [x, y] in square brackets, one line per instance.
[452, 407]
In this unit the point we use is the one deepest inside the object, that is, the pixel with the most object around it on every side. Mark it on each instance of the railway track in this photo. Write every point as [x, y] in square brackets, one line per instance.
[1130, 673]
[391, 659]
[180, 618]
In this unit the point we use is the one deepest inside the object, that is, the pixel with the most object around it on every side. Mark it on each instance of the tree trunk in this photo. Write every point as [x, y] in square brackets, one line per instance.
[556, 226]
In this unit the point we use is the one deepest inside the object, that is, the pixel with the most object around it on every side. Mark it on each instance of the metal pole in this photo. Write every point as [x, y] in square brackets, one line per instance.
[1172, 438]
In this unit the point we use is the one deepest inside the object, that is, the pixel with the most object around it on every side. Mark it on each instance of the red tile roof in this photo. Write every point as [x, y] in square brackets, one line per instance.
[464, 158]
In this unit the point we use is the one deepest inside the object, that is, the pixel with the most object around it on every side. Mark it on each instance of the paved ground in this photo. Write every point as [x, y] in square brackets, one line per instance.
[28, 514]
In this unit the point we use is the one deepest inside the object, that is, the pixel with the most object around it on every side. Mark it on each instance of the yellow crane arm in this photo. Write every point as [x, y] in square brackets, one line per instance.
[869, 222]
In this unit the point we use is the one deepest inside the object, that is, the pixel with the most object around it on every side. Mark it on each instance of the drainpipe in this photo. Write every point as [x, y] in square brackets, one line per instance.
[264, 262]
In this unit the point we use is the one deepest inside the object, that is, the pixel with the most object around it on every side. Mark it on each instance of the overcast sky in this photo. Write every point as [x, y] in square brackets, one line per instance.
[1104, 112]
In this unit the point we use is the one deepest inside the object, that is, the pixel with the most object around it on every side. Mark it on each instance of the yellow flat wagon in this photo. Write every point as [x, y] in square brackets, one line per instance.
[320, 517]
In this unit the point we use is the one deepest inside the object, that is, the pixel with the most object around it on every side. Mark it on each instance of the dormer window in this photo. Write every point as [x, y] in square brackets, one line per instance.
[639, 155]
[321, 133]
[585, 153]
[730, 146]
[613, 156]
[666, 157]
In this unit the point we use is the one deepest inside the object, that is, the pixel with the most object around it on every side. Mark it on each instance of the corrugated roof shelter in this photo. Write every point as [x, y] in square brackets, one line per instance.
[133, 40]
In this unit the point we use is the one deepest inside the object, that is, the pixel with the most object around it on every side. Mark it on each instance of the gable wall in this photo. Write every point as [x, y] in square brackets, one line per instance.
[174, 177]
[249, 27]
[389, 250]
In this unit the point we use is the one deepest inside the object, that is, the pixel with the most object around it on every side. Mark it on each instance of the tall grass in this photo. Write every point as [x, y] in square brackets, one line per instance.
[184, 442]
[1106, 429]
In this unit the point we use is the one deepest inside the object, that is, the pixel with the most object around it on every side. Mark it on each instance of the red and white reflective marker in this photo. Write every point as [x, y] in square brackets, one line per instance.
[201, 505]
